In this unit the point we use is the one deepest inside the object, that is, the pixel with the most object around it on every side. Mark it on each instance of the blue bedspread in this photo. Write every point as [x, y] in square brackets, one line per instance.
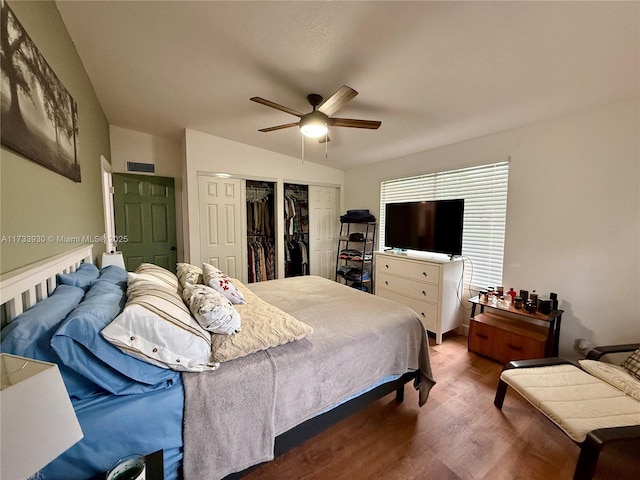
[116, 426]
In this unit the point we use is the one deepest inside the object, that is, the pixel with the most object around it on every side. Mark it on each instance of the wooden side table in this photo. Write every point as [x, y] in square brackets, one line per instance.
[507, 333]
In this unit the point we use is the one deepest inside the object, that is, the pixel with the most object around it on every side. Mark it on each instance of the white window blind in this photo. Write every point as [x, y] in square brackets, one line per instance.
[484, 189]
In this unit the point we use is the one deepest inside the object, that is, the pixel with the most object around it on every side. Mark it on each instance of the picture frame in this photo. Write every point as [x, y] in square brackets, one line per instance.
[39, 116]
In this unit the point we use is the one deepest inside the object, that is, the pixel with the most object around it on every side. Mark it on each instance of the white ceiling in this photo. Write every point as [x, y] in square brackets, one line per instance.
[434, 73]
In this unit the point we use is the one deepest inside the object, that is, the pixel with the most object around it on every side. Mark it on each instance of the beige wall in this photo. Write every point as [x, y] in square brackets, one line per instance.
[573, 215]
[167, 155]
[33, 199]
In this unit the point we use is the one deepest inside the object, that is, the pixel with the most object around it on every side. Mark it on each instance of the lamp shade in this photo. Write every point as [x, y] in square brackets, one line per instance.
[38, 420]
[114, 258]
[314, 125]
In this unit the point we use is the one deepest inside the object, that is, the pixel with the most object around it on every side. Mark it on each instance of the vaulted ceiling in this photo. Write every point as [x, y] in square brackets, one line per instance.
[434, 73]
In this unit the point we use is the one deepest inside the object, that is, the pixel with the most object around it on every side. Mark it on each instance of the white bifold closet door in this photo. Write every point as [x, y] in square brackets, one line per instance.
[223, 226]
[323, 230]
[222, 242]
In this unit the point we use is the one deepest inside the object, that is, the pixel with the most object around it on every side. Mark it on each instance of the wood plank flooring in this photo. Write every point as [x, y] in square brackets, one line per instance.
[457, 435]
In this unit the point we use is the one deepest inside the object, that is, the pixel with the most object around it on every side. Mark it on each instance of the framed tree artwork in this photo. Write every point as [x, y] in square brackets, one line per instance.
[39, 116]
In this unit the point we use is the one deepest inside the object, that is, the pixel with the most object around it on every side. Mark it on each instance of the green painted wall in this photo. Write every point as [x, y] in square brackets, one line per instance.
[35, 201]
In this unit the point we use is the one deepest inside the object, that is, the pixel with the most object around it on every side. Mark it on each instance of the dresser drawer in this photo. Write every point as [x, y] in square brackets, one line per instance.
[505, 338]
[409, 287]
[420, 271]
[481, 338]
[428, 312]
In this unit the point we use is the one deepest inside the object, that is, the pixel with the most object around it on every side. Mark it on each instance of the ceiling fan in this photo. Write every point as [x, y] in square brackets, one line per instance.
[316, 123]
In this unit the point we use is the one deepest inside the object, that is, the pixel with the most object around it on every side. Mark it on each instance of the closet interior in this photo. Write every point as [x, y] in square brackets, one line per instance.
[296, 215]
[261, 231]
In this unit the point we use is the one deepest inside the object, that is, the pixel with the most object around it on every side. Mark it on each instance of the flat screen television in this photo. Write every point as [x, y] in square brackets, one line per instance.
[430, 226]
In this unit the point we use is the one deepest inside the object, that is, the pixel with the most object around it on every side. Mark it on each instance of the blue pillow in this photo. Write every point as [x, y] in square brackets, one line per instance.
[80, 346]
[113, 274]
[82, 277]
[29, 335]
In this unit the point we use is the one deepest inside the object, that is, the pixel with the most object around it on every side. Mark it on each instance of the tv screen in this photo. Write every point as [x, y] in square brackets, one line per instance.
[430, 226]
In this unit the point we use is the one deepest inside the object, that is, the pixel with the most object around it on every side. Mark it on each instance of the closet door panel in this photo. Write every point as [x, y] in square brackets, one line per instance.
[323, 233]
[220, 205]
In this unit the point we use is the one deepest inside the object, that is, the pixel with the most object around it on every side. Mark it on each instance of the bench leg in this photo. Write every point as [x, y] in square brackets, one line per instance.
[586, 466]
[500, 394]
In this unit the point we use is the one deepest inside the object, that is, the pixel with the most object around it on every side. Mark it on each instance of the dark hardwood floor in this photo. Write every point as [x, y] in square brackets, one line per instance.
[458, 434]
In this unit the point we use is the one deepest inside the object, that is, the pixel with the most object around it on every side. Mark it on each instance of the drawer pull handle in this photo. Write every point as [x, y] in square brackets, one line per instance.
[513, 347]
[482, 336]
[423, 292]
[386, 266]
[422, 313]
[425, 274]
[386, 282]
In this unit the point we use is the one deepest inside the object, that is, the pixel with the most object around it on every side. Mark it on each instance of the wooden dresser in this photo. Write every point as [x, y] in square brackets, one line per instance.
[424, 283]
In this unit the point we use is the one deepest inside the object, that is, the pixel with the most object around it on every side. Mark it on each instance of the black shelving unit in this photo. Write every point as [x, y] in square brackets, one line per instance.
[354, 260]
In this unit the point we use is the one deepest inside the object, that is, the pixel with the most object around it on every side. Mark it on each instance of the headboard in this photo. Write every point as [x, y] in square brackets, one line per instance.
[20, 289]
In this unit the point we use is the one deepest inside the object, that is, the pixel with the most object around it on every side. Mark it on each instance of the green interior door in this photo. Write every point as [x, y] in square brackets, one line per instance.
[145, 212]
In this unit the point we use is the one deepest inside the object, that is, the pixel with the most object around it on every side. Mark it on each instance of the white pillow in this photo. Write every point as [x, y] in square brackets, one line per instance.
[213, 311]
[218, 280]
[157, 327]
[161, 275]
[188, 273]
[614, 375]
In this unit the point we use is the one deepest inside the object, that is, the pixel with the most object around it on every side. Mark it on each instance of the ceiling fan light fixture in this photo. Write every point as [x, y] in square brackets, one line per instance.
[313, 130]
[314, 125]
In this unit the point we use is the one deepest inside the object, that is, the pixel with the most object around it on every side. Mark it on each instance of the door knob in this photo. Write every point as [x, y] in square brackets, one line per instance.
[173, 249]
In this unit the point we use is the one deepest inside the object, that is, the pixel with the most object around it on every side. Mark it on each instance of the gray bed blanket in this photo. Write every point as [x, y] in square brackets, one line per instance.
[232, 414]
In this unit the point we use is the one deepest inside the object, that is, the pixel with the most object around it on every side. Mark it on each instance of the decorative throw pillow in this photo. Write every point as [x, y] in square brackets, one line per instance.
[218, 280]
[213, 311]
[161, 274]
[632, 364]
[188, 273]
[157, 327]
[263, 326]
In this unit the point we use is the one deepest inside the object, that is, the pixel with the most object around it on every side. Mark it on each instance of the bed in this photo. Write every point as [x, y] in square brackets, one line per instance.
[219, 422]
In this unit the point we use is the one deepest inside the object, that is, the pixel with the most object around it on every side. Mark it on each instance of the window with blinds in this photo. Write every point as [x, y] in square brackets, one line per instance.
[484, 189]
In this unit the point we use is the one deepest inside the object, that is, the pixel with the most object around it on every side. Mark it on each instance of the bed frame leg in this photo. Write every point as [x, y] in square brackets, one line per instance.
[400, 394]
[500, 394]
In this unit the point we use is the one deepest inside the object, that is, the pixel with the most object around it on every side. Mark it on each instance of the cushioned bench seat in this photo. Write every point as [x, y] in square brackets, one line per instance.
[595, 403]
[574, 400]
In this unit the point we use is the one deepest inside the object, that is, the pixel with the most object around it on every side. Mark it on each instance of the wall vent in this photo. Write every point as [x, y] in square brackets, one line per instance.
[141, 167]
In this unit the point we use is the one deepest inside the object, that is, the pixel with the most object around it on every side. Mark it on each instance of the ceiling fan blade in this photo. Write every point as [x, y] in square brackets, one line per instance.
[278, 127]
[338, 100]
[277, 106]
[350, 122]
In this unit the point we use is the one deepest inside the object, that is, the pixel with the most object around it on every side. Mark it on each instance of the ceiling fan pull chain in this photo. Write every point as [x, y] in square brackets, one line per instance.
[302, 140]
[326, 143]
